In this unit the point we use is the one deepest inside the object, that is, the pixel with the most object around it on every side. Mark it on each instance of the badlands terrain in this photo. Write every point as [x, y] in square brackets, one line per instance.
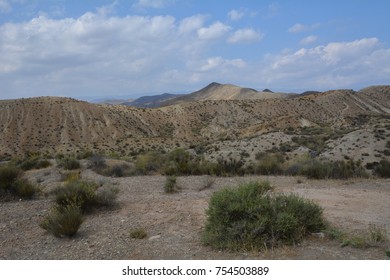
[359, 122]
[332, 125]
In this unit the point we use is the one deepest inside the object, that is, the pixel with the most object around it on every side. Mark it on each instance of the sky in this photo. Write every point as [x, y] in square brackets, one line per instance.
[128, 48]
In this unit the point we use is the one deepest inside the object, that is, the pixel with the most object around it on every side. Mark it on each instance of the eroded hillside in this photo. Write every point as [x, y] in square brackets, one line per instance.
[51, 124]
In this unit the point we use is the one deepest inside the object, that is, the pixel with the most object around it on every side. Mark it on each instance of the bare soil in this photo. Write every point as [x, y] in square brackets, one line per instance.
[174, 222]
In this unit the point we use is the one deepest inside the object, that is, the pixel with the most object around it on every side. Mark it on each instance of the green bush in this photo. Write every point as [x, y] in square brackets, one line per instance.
[138, 233]
[97, 162]
[86, 195]
[170, 184]
[24, 189]
[80, 193]
[252, 217]
[269, 163]
[178, 163]
[106, 196]
[12, 184]
[8, 176]
[68, 163]
[317, 169]
[63, 220]
[382, 169]
[33, 162]
[149, 162]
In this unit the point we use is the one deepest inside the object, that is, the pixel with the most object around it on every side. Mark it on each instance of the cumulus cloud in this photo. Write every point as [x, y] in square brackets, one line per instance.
[214, 31]
[337, 64]
[308, 40]
[245, 36]
[101, 54]
[192, 23]
[98, 54]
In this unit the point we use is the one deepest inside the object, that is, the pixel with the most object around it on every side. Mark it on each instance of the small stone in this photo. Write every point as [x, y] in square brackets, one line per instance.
[154, 237]
[318, 234]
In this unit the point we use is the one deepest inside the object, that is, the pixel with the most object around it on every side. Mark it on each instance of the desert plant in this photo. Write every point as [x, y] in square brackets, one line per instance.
[356, 241]
[97, 162]
[269, 163]
[106, 196]
[317, 169]
[24, 189]
[13, 184]
[170, 184]
[252, 217]
[70, 176]
[63, 220]
[68, 163]
[382, 169]
[33, 162]
[138, 233]
[80, 193]
[8, 176]
[177, 163]
[377, 234]
[150, 162]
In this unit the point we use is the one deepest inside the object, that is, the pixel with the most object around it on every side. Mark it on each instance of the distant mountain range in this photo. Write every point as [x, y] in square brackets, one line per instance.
[213, 91]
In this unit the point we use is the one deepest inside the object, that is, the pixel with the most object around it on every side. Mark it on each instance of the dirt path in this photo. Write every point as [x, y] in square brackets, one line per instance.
[174, 222]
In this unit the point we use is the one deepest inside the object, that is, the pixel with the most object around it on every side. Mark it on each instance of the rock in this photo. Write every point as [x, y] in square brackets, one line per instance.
[154, 237]
[318, 235]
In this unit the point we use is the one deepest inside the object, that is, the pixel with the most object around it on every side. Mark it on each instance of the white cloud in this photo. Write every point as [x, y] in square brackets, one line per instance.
[298, 27]
[5, 7]
[156, 4]
[308, 40]
[335, 65]
[214, 31]
[236, 14]
[192, 23]
[99, 54]
[219, 62]
[245, 36]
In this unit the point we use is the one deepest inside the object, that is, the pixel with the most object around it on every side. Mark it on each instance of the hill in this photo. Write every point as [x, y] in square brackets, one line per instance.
[54, 125]
[151, 101]
[216, 91]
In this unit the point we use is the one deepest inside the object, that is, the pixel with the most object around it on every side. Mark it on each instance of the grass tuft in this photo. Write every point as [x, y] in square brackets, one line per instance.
[63, 220]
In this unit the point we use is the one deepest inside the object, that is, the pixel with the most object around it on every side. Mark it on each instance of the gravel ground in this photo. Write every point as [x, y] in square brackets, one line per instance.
[174, 222]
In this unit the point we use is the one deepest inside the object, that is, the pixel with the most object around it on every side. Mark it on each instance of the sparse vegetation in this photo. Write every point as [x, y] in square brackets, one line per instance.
[138, 233]
[33, 162]
[170, 184]
[68, 163]
[106, 196]
[382, 169]
[372, 237]
[317, 169]
[12, 184]
[252, 217]
[63, 220]
[80, 193]
[269, 163]
[72, 201]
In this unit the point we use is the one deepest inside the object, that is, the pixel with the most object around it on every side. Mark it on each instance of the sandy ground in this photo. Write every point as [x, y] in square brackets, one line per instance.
[174, 222]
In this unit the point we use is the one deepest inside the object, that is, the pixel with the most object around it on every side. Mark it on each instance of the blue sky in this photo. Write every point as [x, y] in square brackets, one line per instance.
[104, 48]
